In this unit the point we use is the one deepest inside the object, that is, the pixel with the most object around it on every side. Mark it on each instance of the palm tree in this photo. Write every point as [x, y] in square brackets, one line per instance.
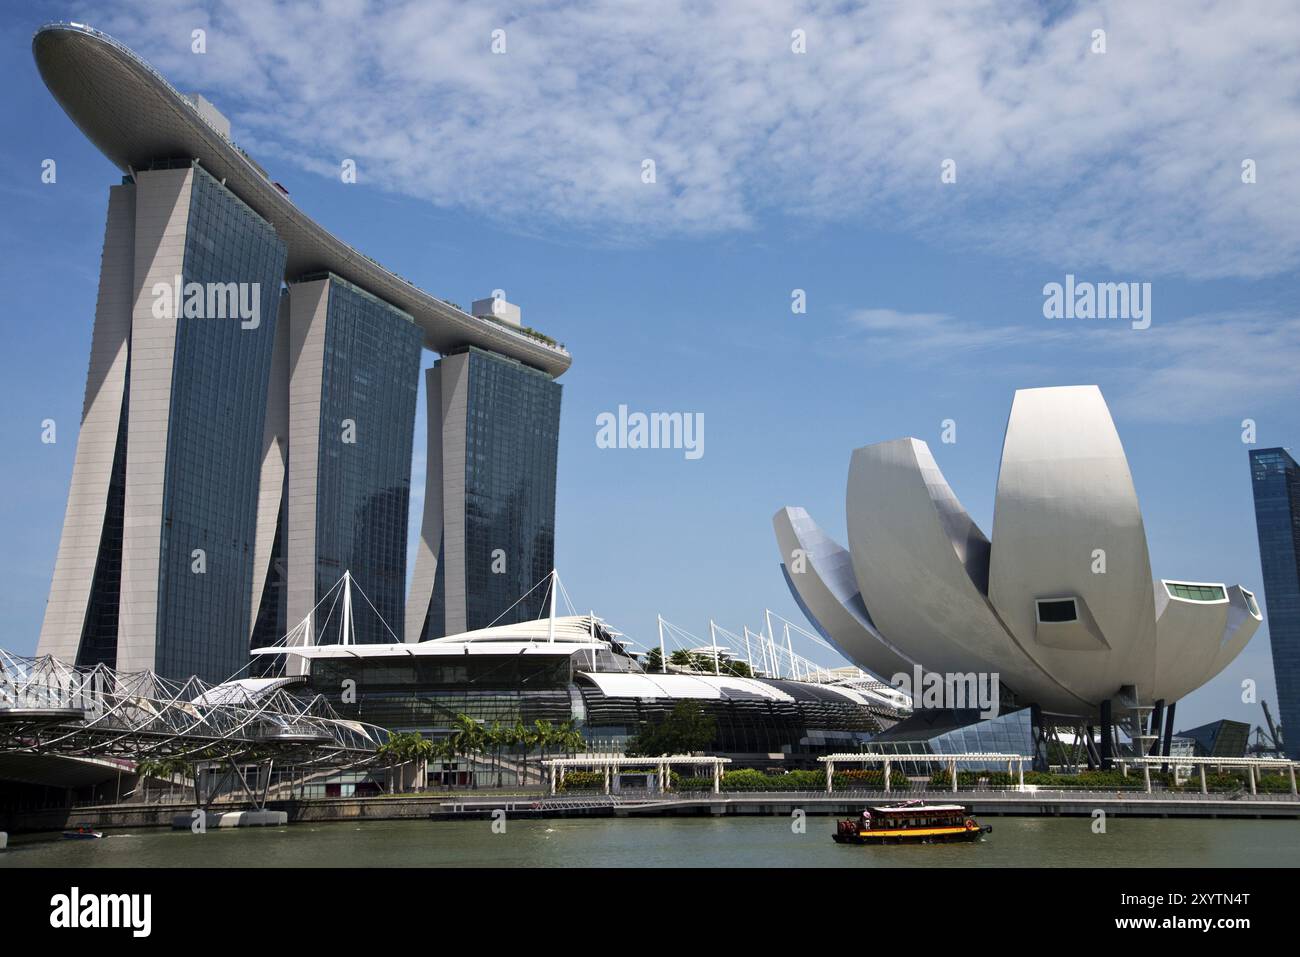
[569, 738]
[405, 747]
[420, 750]
[468, 738]
[526, 739]
[561, 737]
[445, 751]
[545, 736]
[510, 737]
[573, 739]
[493, 739]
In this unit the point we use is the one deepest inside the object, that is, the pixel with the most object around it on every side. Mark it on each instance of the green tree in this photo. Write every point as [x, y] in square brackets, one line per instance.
[525, 739]
[546, 736]
[167, 768]
[494, 739]
[445, 751]
[569, 739]
[407, 747]
[682, 658]
[687, 728]
[467, 736]
[421, 750]
[510, 739]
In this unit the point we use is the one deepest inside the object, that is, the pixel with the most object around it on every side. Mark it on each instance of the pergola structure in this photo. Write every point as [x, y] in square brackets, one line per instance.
[610, 764]
[952, 760]
[1252, 766]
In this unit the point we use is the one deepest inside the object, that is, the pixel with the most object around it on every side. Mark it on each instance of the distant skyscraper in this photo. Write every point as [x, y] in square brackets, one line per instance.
[1276, 480]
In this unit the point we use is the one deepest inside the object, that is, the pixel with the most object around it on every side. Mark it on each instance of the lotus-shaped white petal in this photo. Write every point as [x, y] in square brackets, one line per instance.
[1060, 604]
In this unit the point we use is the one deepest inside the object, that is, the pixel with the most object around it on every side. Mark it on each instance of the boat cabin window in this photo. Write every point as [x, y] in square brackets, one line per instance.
[914, 819]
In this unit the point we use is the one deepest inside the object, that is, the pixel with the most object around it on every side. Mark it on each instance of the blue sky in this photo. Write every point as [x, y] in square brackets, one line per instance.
[775, 171]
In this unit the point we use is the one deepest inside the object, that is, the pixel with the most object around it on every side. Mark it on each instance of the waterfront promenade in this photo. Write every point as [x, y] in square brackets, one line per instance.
[471, 804]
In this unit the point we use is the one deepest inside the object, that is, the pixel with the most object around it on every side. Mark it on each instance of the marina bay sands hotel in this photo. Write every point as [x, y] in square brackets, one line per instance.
[250, 407]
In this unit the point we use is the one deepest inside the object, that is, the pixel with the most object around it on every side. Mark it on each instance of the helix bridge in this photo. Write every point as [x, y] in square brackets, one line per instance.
[50, 707]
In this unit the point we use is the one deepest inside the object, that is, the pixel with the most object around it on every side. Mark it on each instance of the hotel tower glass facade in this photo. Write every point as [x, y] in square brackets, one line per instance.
[244, 443]
[492, 536]
[169, 524]
[1276, 481]
[369, 382]
[219, 378]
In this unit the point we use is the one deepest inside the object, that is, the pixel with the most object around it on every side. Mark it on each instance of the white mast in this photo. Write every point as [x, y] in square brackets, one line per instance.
[713, 639]
[748, 660]
[346, 626]
[771, 638]
[663, 658]
[550, 627]
[794, 669]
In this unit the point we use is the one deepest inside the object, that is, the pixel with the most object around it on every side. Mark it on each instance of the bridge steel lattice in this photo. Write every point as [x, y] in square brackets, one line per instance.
[50, 707]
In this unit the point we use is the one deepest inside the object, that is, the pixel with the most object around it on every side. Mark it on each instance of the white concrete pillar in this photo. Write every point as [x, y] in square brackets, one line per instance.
[162, 208]
[275, 461]
[1020, 770]
[1204, 789]
[952, 768]
[101, 417]
[887, 768]
[830, 773]
[717, 777]
[552, 779]
[1146, 776]
[1250, 769]
[1290, 770]
[308, 318]
[606, 778]
[438, 404]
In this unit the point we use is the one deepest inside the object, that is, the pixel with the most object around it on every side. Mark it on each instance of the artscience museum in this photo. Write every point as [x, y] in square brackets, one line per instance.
[1059, 603]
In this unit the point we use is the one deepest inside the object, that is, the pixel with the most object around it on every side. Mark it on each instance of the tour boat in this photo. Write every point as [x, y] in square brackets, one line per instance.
[913, 822]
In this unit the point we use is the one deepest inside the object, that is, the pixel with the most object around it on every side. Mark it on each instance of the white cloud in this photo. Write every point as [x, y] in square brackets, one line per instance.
[1128, 160]
[1238, 363]
[1235, 364]
[928, 337]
